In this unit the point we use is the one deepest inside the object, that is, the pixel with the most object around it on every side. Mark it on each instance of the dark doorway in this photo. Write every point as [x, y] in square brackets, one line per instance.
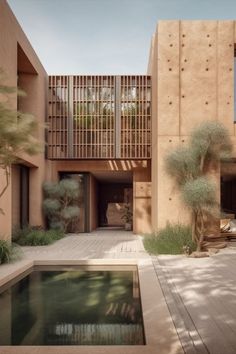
[20, 195]
[228, 194]
[111, 199]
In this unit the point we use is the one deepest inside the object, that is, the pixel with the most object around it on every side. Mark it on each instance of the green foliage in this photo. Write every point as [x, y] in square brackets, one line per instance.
[60, 204]
[209, 144]
[51, 206]
[57, 225]
[30, 236]
[8, 252]
[69, 188]
[127, 214]
[199, 193]
[70, 212]
[19, 233]
[51, 189]
[16, 130]
[5, 251]
[212, 141]
[86, 111]
[170, 240]
[181, 164]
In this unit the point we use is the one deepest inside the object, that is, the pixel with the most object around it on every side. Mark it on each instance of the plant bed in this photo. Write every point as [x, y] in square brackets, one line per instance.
[36, 236]
[8, 252]
[173, 239]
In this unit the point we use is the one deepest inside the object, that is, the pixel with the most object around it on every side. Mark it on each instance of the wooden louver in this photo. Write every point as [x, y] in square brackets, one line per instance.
[99, 117]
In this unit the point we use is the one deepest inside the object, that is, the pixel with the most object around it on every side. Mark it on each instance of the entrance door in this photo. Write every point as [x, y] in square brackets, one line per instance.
[111, 199]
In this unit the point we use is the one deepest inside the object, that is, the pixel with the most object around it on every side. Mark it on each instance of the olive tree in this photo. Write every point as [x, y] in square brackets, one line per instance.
[190, 166]
[61, 203]
[16, 129]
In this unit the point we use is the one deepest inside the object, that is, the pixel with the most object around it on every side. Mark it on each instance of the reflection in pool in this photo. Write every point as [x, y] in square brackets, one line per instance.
[72, 306]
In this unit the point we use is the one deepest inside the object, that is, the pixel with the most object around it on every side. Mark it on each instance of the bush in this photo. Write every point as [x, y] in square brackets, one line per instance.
[8, 252]
[5, 251]
[36, 237]
[61, 203]
[170, 240]
[19, 233]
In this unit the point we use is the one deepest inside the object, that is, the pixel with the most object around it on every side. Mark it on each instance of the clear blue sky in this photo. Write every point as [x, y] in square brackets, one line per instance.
[104, 36]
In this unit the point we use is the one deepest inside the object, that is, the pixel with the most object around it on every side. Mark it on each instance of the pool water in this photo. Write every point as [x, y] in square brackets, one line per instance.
[72, 306]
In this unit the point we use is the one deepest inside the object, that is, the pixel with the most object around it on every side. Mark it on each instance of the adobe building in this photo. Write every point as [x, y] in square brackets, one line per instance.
[112, 133]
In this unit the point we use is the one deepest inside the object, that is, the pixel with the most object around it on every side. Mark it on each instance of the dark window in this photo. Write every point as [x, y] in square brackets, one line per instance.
[24, 196]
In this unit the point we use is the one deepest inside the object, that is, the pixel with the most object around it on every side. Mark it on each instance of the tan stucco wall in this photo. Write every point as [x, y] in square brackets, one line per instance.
[192, 70]
[11, 34]
[142, 201]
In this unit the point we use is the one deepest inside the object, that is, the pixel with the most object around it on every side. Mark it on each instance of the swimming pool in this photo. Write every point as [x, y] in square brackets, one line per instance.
[72, 305]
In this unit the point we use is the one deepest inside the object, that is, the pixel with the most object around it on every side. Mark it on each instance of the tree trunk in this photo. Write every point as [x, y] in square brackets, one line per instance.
[198, 228]
[201, 229]
[194, 226]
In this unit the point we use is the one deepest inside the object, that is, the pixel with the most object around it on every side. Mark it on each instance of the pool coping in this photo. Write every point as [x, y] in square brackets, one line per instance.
[160, 332]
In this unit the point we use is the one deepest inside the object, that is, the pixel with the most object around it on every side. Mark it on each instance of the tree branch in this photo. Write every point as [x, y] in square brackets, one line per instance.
[7, 175]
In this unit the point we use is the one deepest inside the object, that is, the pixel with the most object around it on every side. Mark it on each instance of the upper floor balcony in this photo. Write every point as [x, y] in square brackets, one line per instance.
[99, 117]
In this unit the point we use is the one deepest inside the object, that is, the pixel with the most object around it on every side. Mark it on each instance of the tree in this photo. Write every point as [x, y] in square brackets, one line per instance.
[16, 130]
[60, 203]
[209, 144]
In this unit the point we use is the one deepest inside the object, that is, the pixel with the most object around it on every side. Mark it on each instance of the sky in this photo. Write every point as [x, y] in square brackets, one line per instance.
[104, 36]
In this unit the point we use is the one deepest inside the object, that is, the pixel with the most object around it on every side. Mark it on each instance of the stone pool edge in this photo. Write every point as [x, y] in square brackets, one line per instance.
[160, 333]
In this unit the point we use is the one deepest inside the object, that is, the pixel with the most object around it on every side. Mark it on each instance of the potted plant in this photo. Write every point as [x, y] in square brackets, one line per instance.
[127, 216]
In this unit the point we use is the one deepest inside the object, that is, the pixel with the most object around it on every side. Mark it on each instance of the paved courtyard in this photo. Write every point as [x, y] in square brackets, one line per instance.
[200, 293]
[201, 296]
[110, 244]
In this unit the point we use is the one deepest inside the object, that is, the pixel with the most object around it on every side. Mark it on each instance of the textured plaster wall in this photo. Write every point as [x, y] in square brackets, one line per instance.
[11, 35]
[192, 75]
[142, 201]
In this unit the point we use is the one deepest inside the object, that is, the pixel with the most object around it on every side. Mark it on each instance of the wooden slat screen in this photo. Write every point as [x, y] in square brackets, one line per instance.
[57, 117]
[82, 115]
[93, 123]
[135, 117]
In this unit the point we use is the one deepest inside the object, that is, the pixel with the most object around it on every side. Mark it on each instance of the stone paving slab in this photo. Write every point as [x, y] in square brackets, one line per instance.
[201, 296]
[98, 244]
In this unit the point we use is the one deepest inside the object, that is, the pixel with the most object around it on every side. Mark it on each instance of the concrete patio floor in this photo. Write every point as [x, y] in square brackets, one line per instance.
[200, 293]
[201, 296]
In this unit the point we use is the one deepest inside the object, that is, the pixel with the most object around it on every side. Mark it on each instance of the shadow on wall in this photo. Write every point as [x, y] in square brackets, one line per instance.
[143, 215]
[123, 165]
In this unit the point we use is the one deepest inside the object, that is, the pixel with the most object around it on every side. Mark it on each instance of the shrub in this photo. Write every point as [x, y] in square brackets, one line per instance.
[61, 203]
[170, 240]
[37, 237]
[8, 252]
[19, 233]
[55, 234]
[5, 251]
